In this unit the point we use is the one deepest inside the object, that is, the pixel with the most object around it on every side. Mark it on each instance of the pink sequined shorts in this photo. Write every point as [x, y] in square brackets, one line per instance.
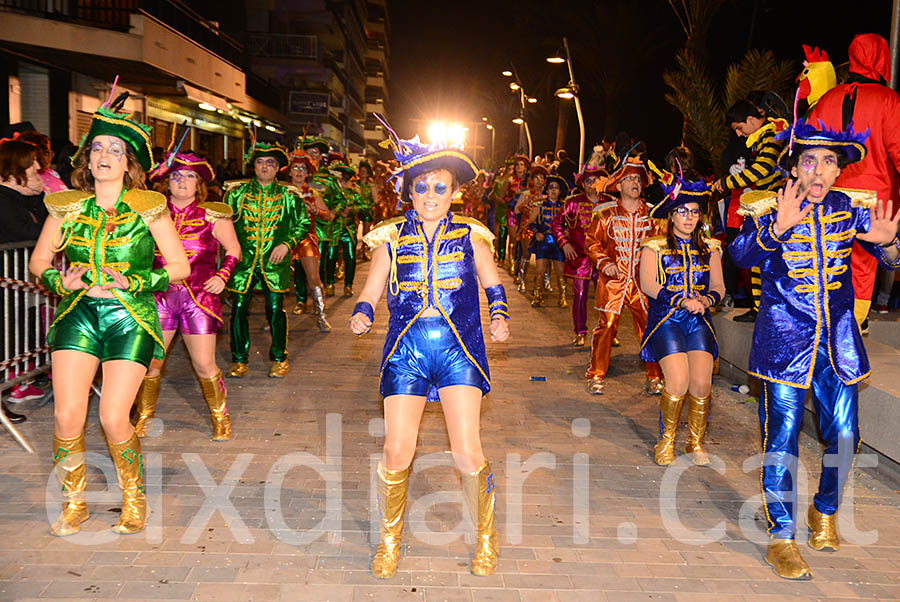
[178, 311]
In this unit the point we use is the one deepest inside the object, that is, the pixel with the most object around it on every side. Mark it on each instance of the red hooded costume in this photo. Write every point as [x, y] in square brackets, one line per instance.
[867, 102]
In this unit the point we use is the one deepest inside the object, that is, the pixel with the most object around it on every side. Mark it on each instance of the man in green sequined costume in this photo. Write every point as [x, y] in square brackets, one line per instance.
[332, 194]
[343, 228]
[269, 220]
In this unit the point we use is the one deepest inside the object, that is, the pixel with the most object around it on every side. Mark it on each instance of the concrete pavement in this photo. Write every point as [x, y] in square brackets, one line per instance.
[284, 510]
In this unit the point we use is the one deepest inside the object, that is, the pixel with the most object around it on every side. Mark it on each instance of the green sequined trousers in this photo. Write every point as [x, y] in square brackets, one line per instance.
[275, 315]
[344, 242]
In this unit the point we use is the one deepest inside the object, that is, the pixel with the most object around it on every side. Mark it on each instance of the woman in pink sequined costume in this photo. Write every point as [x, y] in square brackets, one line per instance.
[569, 227]
[193, 306]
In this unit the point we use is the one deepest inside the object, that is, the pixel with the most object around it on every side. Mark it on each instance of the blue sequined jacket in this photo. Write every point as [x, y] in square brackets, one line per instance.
[675, 267]
[543, 224]
[439, 273]
[807, 294]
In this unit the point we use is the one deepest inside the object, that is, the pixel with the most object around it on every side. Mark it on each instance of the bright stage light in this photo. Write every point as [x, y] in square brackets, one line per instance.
[437, 132]
[532, 99]
[518, 121]
[506, 73]
[489, 126]
[456, 134]
[514, 86]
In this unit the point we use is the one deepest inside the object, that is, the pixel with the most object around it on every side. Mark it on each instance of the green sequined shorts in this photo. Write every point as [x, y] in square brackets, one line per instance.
[103, 328]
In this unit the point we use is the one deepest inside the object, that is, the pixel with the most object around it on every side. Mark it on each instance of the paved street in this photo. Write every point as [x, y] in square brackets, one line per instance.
[282, 512]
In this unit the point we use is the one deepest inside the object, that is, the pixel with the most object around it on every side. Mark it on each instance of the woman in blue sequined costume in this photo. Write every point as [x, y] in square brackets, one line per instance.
[544, 245]
[432, 262]
[681, 274]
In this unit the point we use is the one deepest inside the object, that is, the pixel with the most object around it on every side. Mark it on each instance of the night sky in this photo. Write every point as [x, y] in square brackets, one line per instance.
[446, 59]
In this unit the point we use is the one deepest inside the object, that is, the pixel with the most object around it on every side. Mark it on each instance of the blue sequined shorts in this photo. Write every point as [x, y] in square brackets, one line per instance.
[429, 355]
[680, 333]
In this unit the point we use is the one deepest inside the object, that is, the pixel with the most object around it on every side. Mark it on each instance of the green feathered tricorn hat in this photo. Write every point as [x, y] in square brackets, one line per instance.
[107, 122]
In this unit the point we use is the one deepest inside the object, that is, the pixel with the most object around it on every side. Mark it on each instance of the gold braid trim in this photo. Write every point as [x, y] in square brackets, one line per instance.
[215, 211]
[757, 203]
[150, 205]
[61, 204]
[714, 244]
[602, 207]
[383, 232]
[657, 243]
[232, 184]
[477, 230]
[860, 198]
[65, 205]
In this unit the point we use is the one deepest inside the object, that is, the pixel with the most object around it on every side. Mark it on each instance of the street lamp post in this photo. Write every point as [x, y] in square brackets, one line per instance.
[516, 86]
[493, 131]
[571, 91]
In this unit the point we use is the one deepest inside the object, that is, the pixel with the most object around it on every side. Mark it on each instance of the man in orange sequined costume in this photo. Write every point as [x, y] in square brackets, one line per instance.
[613, 243]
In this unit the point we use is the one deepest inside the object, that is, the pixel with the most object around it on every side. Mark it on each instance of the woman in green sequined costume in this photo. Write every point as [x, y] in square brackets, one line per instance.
[107, 317]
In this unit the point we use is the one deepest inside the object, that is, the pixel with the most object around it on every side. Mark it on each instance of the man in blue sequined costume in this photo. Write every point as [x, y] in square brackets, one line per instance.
[806, 335]
[432, 263]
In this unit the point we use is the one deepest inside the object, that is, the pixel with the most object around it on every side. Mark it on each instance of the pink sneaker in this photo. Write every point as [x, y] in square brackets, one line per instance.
[22, 393]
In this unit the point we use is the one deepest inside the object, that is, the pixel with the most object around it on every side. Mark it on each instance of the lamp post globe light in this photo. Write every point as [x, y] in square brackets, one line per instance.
[516, 86]
[570, 91]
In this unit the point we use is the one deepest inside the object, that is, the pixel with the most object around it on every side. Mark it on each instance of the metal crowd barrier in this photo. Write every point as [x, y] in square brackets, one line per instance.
[26, 310]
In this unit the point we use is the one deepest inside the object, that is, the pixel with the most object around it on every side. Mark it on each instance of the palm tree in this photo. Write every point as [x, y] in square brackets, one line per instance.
[703, 103]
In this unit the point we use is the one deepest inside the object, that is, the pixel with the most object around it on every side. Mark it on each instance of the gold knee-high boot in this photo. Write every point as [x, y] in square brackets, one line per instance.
[669, 412]
[145, 403]
[129, 469]
[68, 457]
[561, 284]
[537, 299]
[478, 489]
[215, 394]
[698, 419]
[393, 486]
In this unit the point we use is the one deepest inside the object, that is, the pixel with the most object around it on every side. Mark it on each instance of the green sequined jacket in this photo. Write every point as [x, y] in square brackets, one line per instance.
[263, 219]
[120, 240]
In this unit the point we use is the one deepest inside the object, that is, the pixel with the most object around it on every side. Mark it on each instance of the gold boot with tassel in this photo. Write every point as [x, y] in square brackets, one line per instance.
[216, 397]
[68, 457]
[563, 299]
[669, 412]
[129, 469]
[537, 299]
[698, 420]
[393, 486]
[145, 403]
[478, 489]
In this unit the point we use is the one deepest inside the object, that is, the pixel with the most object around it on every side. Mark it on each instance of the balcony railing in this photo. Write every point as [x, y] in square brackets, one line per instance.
[116, 15]
[290, 46]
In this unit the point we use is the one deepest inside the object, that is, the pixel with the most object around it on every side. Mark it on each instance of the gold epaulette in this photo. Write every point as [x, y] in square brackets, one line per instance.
[714, 244]
[859, 198]
[603, 207]
[477, 230]
[657, 243]
[383, 232]
[232, 184]
[216, 210]
[149, 204]
[61, 204]
[758, 202]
